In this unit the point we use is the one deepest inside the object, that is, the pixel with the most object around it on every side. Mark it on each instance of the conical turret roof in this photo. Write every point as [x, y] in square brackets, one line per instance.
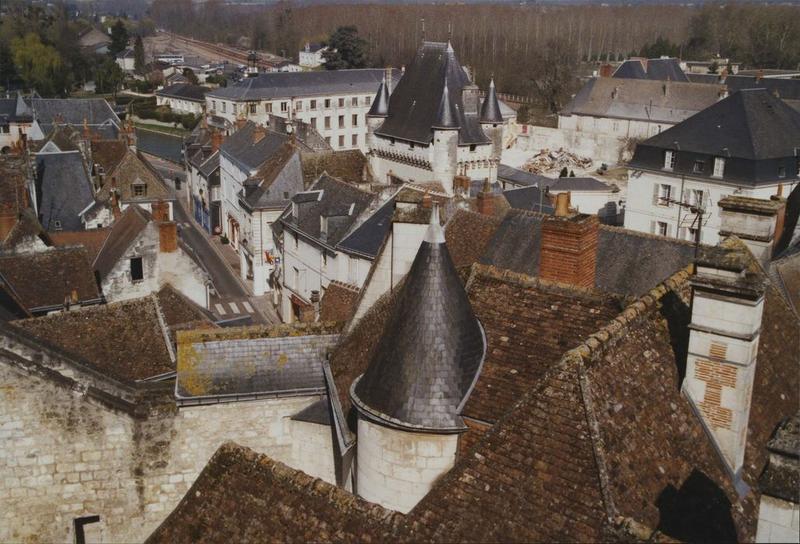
[431, 351]
[380, 104]
[446, 116]
[490, 111]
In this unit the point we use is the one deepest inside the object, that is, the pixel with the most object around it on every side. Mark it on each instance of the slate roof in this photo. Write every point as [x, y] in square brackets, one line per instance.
[755, 132]
[644, 100]
[530, 199]
[242, 149]
[125, 340]
[380, 104]
[63, 190]
[367, 238]
[160, 144]
[785, 89]
[415, 103]
[210, 165]
[336, 196]
[518, 177]
[73, 111]
[273, 85]
[490, 109]
[185, 91]
[579, 184]
[432, 349]
[345, 165]
[123, 233]
[277, 180]
[14, 110]
[250, 362]
[660, 69]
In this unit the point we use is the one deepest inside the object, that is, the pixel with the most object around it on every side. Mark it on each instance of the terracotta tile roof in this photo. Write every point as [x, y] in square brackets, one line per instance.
[125, 340]
[345, 165]
[339, 302]
[177, 309]
[467, 234]
[108, 153]
[247, 497]
[47, 278]
[124, 231]
[13, 182]
[92, 240]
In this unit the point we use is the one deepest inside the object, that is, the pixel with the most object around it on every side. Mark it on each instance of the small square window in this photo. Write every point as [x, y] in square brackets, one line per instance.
[139, 189]
[284, 106]
[299, 105]
[355, 120]
[253, 108]
[699, 167]
[719, 167]
[313, 105]
[354, 101]
[473, 147]
[663, 228]
[341, 121]
[137, 269]
[57, 225]
[327, 122]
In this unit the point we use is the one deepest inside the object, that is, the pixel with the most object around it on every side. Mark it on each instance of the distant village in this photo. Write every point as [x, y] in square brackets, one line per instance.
[251, 299]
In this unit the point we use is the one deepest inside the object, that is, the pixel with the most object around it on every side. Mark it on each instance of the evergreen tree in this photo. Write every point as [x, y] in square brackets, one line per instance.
[119, 38]
[345, 49]
[563, 172]
[138, 56]
[189, 74]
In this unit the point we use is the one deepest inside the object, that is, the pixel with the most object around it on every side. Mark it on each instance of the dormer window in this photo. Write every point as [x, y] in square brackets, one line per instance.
[294, 210]
[139, 189]
[57, 225]
[719, 167]
[323, 226]
[781, 172]
[699, 167]
[669, 160]
[472, 148]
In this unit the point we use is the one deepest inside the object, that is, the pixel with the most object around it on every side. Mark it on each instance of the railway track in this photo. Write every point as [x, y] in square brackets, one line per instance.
[232, 54]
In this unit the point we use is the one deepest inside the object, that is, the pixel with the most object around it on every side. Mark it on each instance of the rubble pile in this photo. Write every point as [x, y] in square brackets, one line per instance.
[549, 161]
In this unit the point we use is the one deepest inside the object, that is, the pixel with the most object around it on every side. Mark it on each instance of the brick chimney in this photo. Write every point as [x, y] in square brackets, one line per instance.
[8, 218]
[168, 236]
[756, 222]
[569, 246]
[160, 211]
[461, 185]
[727, 306]
[217, 137]
[486, 199]
[115, 207]
[606, 70]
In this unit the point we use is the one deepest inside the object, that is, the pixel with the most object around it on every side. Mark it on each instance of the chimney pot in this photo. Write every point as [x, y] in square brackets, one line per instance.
[562, 204]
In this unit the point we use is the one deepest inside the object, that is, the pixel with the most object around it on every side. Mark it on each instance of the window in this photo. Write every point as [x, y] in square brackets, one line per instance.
[662, 228]
[367, 100]
[341, 121]
[341, 141]
[268, 107]
[314, 122]
[324, 259]
[137, 269]
[327, 103]
[354, 140]
[696, 198]
[472, 148]
[286, 195]
[719, 167]
[699, 167]
[663, 194]
[296, 241]
[781, 171]
[615, 126]
[224, 106]
[669, 160]
[355, 120]
[327, 122]
[284, 106]
[213, 106]
[253, 108]
[313, 105]
[57, 225]
[235, 107]
[299, 105]
[354, 101]
[341, 102]
[411, 145]
[139, 189]
[391, 141]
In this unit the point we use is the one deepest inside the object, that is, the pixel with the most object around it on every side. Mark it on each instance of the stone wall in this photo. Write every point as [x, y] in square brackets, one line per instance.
[778, 521]
[312, 450]
[67, 450]
[396, 469]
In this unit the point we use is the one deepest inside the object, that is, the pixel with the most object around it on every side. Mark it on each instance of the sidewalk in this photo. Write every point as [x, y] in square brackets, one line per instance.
[228, 255]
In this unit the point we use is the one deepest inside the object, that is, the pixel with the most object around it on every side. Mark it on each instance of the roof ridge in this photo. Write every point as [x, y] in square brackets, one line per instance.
[646, 235]
[525, 280]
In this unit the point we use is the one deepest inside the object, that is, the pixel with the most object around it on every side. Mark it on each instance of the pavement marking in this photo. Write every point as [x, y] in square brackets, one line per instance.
[234, 307]
[220, 309]
[247, 307]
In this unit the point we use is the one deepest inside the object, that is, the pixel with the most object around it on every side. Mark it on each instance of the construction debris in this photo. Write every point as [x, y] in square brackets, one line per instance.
[549, 161]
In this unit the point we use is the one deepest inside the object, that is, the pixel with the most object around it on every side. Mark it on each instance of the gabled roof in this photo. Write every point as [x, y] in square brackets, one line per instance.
[415, 104]
[431, 351]
[134, 169]
[277, 180]
[73, 111]
[530, 198]
[160, 144]
[750, 124]
[63, 190]
[251, 361]
[210, 165]
[644, 100]
[662, 69]
[251, 146]
[46, 279]
[519, 177]
[123, 233]
[339, 302]
[300, 84]
[185, 91]
[366, 239]
[108, 153]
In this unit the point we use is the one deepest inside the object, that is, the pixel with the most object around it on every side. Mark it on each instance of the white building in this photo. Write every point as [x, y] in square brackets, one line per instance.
[745, 145]
[433, 127]
[127, 60]
[16, 117]
[311, 55]
[183, 98]
[335, 103]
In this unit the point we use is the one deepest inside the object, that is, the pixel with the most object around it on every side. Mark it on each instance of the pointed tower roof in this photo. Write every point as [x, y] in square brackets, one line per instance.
[432, 349]
[380, 104]
[447, 115]
[490, 111]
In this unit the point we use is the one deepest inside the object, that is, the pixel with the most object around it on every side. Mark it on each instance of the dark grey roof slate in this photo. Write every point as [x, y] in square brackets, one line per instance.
[490, 110]
[367, 238]
[296, 84]
[63, 190]
[211, 164]
[578, 184]
[446, 115]
[14, 110]
[317, 412]
[431, 350]
[254, 366]
[414, 106]
[654, 69]
[160, 144]
[73, 111]
[786, 89]
[380, 104]
[529, 199]
[185, 91]
[519, 177]
[240, 149]
[335, 195]
[515, 244]
[274, 188]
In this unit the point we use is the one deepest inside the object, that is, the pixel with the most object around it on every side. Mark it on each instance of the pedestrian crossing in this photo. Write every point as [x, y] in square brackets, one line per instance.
[233, 308]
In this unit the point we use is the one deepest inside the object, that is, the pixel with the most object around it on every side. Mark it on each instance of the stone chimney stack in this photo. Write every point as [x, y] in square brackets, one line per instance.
[569, 246]
[168, 236]
[727, 305]
[757, 222]
[470, 98]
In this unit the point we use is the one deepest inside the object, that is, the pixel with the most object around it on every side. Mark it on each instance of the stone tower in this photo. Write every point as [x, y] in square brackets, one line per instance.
[410, 397]
[445, 141]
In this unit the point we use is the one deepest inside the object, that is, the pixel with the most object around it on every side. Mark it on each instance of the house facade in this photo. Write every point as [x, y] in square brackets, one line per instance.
[334, 103]
[16, 118]
[745, 145]
[311, 56]
[183, 98]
